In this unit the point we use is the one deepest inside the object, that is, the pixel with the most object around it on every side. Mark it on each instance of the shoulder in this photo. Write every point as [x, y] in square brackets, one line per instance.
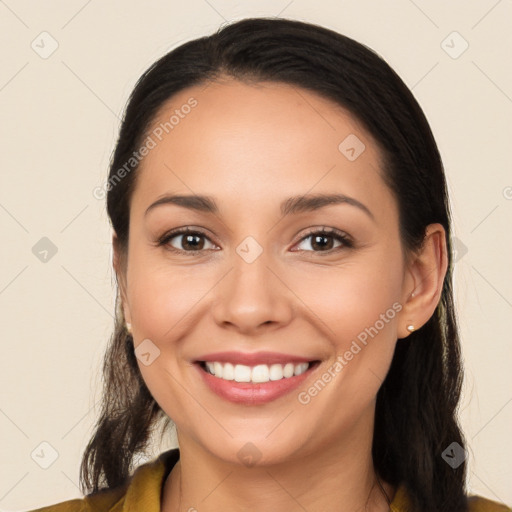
[102, 500]
[402, 503]
[65, 506]
[143, 486]
[479, 504]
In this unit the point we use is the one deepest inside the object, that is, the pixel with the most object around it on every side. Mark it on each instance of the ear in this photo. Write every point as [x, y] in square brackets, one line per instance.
[423, 283]
[119, 264]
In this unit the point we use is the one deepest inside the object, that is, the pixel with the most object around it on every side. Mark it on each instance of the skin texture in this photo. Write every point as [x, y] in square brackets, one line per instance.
[251, 147]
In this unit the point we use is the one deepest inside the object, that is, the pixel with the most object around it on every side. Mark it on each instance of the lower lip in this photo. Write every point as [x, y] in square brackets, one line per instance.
[253, 394]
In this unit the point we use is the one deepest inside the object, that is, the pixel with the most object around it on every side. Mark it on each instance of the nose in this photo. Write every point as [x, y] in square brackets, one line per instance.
[251, 296]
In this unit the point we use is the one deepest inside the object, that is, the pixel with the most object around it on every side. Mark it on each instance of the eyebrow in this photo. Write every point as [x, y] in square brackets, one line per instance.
[292, 205]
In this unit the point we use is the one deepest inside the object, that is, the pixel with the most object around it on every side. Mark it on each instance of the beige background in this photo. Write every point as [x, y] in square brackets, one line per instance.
[60, 117]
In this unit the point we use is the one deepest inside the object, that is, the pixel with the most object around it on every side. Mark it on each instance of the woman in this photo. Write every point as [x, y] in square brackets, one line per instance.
[283, 253]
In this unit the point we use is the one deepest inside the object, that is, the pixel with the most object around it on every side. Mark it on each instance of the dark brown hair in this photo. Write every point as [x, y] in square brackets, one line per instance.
[417, 403]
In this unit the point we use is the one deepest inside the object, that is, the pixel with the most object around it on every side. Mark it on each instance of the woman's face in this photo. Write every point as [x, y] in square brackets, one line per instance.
[259, 277]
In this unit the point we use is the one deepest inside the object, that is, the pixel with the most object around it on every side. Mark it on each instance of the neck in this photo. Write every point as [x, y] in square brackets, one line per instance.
[338, 478]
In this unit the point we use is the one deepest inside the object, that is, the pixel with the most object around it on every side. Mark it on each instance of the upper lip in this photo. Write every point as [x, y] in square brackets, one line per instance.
[253, 358]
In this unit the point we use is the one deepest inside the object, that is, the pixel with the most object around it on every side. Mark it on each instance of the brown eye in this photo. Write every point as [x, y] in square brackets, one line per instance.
[193, 241]
[187, 240]
[323, 240]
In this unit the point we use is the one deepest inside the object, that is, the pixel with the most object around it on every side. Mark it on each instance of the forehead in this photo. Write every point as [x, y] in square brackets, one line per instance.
[260, 142]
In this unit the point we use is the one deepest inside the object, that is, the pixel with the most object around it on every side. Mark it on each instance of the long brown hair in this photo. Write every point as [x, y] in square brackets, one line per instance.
[417, 403]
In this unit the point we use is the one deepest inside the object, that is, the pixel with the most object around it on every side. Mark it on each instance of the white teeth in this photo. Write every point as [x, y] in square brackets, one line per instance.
[301, 368]
[242, 373]
[228, 371]
[260, 373]
[217, 368]
[276, 372]
[288, 370]
[257, 374]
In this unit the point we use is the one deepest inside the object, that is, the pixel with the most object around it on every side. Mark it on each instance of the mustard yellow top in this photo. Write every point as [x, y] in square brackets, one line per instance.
[143, 493]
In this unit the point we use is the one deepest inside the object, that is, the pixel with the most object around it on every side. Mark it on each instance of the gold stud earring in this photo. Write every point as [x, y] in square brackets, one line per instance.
[410, 328]
[129, 327]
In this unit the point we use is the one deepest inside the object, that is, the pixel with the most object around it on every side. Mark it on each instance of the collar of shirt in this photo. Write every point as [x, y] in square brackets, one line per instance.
[144, 489]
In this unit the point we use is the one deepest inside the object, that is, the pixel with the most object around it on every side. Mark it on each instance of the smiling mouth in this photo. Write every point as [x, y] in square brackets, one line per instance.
[257, 374]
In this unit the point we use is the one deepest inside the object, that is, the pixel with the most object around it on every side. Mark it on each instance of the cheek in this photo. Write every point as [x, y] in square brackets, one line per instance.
[163, 298]
[348, 299]
[356, 308]
[357, 311]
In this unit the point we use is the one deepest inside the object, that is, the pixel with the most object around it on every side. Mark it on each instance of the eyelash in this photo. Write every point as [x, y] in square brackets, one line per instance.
[334, 233]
